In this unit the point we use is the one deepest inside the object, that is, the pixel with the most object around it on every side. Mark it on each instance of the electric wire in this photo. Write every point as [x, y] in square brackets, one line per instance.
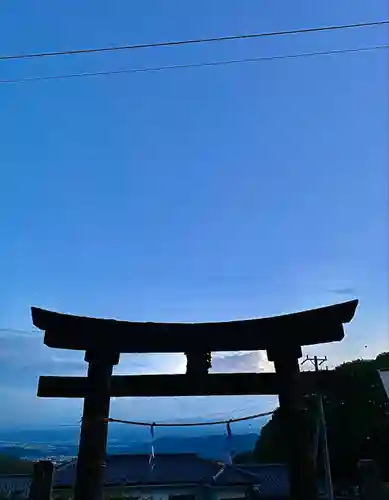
[192, 65]
[192, 41]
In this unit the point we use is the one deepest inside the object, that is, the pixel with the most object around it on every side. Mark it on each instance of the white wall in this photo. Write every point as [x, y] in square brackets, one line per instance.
[385, 380]
[148, 493]
[162, 493]
[229, 492]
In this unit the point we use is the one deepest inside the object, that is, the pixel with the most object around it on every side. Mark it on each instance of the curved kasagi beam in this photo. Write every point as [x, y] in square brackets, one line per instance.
[314, 326]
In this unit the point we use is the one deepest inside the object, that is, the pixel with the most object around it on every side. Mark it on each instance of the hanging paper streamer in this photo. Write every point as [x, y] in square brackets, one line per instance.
[152, 454]
[229, 443]
[220, 472]
[229, 448]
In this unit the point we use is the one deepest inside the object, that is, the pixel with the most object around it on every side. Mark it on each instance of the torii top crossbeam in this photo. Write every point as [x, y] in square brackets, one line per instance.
[309, 327]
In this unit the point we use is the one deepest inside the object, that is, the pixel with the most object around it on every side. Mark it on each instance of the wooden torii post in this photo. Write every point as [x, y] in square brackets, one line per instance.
[103, 340]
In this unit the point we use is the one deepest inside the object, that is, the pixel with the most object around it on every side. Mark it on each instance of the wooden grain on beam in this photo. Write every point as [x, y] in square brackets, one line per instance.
[220, 384]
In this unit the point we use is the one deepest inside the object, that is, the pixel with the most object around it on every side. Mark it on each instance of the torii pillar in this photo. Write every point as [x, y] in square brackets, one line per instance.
[94, 426]
[302, 470]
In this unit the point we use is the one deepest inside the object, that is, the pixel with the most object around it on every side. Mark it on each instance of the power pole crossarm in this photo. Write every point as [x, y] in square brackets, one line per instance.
[317, 362]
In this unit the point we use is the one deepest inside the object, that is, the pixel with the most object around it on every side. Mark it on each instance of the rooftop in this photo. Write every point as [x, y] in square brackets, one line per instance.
[168, 470]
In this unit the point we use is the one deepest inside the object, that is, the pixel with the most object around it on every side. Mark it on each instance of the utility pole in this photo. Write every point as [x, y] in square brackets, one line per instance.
[317, 362]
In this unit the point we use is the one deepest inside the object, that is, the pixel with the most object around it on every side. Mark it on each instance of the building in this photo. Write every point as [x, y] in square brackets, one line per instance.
[183, 476]
[14, 485]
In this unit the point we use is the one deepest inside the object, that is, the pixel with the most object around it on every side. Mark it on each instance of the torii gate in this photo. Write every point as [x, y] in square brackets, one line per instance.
[104, 339]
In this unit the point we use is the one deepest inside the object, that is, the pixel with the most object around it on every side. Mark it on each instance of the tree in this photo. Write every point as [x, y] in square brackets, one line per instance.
[12, 465]
[357, 417]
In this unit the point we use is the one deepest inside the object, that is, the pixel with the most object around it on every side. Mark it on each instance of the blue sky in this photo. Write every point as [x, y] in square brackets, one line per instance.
[199, 194]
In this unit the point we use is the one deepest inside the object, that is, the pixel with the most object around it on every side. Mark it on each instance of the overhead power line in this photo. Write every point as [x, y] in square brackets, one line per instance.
[191, 41]
[191, 65]
[317, 363]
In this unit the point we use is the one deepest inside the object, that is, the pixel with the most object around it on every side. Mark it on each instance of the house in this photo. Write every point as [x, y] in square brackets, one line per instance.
[183, 476]
[14, 485]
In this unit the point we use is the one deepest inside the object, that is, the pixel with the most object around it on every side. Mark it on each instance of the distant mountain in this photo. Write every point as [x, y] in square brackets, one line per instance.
[60, 443]
[213, 446]
[119, 433]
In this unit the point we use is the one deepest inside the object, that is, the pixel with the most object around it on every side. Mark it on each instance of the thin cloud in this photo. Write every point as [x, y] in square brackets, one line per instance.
[241, 362]
[25, 358]
[344, 291]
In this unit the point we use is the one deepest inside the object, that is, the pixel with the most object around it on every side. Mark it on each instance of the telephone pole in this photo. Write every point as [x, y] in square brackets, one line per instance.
[317, 362]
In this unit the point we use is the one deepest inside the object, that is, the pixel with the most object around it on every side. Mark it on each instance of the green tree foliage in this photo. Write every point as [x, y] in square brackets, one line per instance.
[357, 416]
[11, 465]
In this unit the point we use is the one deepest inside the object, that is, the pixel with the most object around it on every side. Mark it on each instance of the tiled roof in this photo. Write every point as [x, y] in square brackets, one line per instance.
[273, 479]
[15, 483]
[169, 469]
[183, 468]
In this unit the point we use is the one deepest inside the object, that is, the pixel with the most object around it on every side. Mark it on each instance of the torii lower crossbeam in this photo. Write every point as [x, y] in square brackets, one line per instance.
[218, 384]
